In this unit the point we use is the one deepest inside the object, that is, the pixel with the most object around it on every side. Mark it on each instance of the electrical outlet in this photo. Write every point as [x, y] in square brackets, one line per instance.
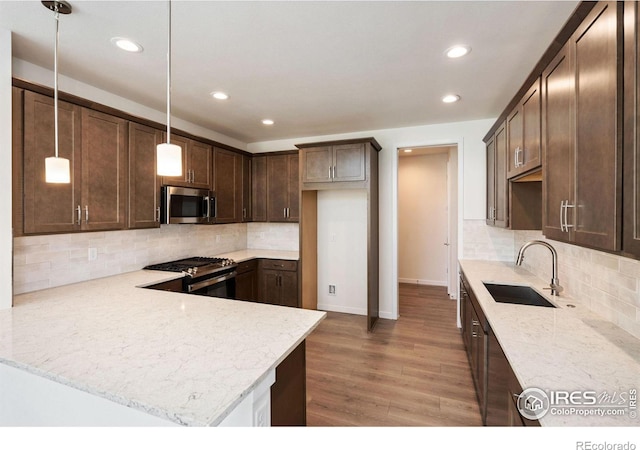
[332, 289]
[93, 254]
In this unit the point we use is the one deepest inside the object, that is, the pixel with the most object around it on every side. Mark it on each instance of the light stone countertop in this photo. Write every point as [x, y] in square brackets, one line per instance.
[244, 255]
[559, 348]
[185, 358]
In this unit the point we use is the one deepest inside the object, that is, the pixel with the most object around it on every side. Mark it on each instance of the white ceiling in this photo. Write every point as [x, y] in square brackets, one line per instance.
[315, 68]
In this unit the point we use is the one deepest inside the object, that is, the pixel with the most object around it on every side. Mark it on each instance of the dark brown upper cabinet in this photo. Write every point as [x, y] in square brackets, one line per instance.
[259, 188]
[282, 188]
[96, 145]
[631, 188]
[197, 169]
[497, 186]
[334, 163]
[582, 126]
[50, 208]
[227, 185]
[523, 134]
[144, 183]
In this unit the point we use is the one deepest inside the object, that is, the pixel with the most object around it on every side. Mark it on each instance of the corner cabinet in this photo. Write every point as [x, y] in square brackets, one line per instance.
[581, 134]
[346, 164]
[227, 185]
[282, 188]
[497, 186]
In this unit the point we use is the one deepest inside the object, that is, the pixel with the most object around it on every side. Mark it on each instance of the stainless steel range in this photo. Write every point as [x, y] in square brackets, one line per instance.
[211, 277]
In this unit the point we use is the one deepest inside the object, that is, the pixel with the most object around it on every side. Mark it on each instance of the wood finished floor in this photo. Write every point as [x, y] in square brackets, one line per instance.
[409, 372]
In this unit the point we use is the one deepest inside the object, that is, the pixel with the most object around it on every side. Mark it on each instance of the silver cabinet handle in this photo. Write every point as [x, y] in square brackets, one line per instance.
[86, 213]
[284, 212]
[158, 214]
[244, 213]
[330, 172]
[515, 157]
[562, 228]
[521, 158]
[79, 212]
[566, 222]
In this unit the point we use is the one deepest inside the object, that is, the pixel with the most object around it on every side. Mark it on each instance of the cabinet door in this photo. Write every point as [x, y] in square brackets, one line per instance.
[598, 149]
[278, 188]
[557, 143]
[631, 208]
[259, 188]
[50, 208]
[349, 162]
[246, 286]
[289, 288]
[247, 211]
[531, 110]
[293, 203]
[200, 156]
[491, 180]
[227, 185]
[144, 184]
[514, 141]
[316, 165]
[104, 171]
[181, 180]
[501, 213]
[270, 286]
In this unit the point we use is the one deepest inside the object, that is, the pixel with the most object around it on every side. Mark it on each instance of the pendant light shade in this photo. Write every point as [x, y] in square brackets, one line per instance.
[169, 158]
[168, 155]
[56, 169]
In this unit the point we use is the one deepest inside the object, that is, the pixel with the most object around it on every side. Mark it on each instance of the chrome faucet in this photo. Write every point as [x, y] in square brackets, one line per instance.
[555, 283]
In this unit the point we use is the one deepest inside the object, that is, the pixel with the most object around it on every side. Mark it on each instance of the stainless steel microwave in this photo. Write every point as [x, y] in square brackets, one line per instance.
[187, 205]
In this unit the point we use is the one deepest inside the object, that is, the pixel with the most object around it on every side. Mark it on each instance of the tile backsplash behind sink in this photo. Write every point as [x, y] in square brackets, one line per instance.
[607, 284]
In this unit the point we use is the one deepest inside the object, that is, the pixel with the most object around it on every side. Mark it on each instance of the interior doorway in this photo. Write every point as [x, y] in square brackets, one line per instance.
[428, 216]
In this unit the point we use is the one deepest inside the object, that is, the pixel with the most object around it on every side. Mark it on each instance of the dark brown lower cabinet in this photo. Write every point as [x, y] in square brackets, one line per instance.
[496, 385]
[247, 280]
[278, 282]
[289, 392]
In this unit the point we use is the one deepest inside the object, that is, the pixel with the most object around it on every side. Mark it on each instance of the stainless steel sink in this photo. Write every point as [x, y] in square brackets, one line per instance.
[520, 295]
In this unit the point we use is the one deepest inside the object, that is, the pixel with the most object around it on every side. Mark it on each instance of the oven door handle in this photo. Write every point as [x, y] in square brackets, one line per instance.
[211, 281]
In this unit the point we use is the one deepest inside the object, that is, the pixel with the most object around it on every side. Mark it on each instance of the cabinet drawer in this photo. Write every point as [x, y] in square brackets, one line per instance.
[279, 264]
[247, 266]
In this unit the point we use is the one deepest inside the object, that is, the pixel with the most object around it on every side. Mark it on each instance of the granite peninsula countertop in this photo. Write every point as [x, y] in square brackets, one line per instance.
[184, 358]
[559, 348]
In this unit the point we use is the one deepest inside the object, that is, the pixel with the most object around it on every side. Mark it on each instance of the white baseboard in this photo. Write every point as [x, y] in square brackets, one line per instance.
[425, 282]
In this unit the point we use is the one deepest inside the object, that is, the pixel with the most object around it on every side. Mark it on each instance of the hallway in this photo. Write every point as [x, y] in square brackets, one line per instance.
[409, 372]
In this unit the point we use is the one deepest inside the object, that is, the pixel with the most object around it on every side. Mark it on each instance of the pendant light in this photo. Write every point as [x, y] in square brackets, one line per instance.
[57, 169]
[169, 156]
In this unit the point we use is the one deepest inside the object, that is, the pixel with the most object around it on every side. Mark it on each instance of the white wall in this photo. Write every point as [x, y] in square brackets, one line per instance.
[472, 166]
[342, 238]
[6, 233]
[422, 219]
[39, 75]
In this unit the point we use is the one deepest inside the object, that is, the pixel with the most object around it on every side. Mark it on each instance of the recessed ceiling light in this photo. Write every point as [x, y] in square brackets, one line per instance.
[219, 95]
[126, 44]
[457, 51]
[268, 122]
[451, 98]
[408, 150]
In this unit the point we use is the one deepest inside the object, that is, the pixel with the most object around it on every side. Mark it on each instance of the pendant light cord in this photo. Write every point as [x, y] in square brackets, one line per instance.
[169, 78]
[55, 78]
